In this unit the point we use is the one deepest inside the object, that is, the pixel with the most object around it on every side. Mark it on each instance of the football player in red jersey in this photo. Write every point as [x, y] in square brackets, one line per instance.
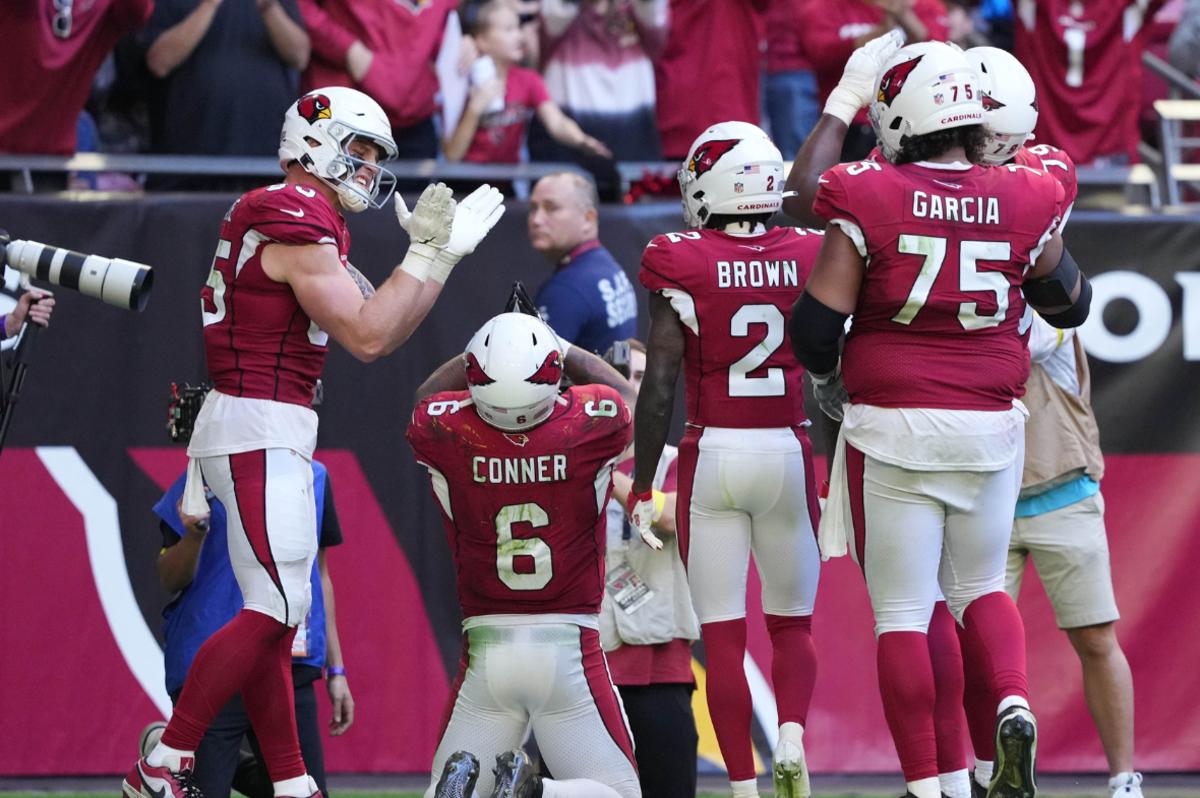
[720, 298]
[1010, 114]
[929, 459]
[522, 474]
[280, 285]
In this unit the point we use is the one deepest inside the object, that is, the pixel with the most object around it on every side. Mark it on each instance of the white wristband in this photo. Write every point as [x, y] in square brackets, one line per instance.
[843, 104]
[443, 264]
[418, 261]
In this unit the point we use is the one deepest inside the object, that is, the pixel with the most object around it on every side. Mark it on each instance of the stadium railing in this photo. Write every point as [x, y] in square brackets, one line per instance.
[23, 166]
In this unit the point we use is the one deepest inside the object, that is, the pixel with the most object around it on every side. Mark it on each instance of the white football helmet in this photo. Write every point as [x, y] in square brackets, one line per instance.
[923, 88]
[1010, 109]
[733, 168]
[317, 131]
[514, 368]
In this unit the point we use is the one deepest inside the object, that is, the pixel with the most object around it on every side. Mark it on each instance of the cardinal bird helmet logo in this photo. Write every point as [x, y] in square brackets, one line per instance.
[893, 80]
[475, 373]
[550, 372]
[313, 107]
[708, 153]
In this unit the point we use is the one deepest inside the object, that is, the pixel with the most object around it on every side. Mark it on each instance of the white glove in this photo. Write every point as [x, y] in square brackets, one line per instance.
[475, 217]
[853, 91]
[830, 392]
[428, 226]
[641, 515]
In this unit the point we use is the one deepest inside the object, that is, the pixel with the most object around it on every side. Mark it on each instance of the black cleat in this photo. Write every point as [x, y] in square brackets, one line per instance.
[516, 776]
[458, 776]
[1016, 755]
[977, 789]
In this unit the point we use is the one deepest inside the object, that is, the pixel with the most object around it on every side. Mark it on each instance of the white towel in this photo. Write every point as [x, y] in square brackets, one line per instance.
[194, 500]
[835, 518]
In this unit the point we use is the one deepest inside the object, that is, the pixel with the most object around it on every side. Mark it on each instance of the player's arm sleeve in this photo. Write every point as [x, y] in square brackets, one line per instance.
[331, 527]
[833, 204]
[421, 433]
[657, 270]
[275, 216]
[563, 307]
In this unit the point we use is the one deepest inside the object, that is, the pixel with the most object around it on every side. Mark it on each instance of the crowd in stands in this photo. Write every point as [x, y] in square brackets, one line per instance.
[503, 81]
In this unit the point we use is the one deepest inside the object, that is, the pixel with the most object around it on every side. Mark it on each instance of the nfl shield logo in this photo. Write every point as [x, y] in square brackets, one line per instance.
[738, 188]
[939, 98]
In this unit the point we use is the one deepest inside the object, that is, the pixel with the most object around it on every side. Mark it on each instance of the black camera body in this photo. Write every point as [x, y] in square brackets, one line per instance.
[183, 409]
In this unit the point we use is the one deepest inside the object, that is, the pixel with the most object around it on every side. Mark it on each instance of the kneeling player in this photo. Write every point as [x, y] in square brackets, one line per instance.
[522, 475]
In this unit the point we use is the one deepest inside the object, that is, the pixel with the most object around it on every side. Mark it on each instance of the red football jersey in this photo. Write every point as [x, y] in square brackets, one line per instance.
[933, 337]
[524, 512]
[734, 295]
[1057, 163]
[258, 340]
[1086, 60]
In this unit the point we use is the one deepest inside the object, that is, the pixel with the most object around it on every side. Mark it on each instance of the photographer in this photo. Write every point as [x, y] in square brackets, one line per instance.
[34, 306]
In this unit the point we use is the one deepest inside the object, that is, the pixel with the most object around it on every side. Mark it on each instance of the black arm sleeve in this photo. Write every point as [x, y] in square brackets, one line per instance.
[1051, 295]
[815, 329]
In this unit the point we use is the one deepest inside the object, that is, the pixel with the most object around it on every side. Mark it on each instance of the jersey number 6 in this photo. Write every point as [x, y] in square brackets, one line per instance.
[509, 548]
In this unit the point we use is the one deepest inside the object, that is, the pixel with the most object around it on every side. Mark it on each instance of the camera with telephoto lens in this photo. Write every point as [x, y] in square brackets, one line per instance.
[115, 281]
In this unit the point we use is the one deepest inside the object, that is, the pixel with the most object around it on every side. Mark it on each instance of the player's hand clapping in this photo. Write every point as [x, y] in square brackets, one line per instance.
[474, 218]
[428, 226]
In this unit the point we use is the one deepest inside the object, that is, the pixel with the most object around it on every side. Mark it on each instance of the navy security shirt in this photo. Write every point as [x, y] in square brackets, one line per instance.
[589, 300]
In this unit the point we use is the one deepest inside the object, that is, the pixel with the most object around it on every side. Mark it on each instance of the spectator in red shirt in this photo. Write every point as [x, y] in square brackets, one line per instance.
[386, 49]
[1086, 61]
[835, 30]
[708, 72]
[490, 131]
[50, 56]
[791, 92]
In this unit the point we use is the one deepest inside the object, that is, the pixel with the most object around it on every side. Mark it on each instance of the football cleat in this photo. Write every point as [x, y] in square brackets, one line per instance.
[146, 781]
[790, 772]
[1016, 755]
[516, 776]
[977, 789]
[458, 776]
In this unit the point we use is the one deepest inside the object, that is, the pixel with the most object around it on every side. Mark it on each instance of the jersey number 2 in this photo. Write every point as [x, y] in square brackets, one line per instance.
[740, 381]
[509, 548]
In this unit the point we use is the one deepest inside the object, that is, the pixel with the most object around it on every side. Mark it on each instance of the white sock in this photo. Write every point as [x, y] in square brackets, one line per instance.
[956, 784]
[298, 787]
[925, 788]
[791, 732]
[1012, 701]
[983, 772]
[165, 755]
[577, 788]
[745, 789]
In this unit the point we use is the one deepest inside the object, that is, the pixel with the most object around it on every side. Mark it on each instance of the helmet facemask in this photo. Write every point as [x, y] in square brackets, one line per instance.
[318, 130]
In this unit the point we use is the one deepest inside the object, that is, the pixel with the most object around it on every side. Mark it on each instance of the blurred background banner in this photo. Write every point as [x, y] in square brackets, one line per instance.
[88, 455]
